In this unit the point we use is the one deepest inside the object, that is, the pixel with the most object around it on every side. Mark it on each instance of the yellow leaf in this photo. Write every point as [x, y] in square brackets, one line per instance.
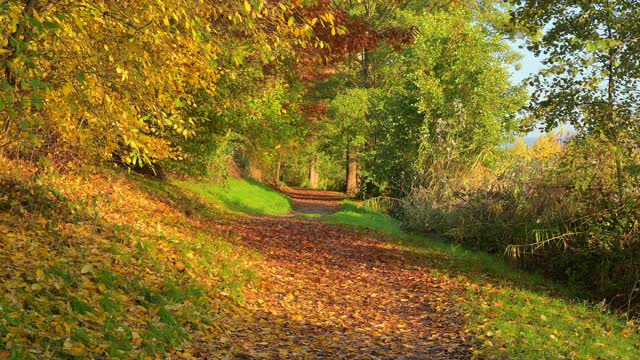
[247, 7]
[291, 21]
[73, 348]
[67, 89]
[40, 274]
[543, 318]
[135, 337]
[86, 269]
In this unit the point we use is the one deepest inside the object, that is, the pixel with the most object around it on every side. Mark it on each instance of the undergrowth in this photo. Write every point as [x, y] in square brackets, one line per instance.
[512, 314]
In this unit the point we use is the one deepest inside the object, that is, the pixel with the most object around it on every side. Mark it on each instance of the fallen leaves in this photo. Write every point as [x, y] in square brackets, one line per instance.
[144, 279]
[330, 292]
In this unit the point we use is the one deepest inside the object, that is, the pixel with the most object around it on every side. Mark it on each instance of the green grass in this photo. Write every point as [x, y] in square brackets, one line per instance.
[351, 214]
[245, 196]
[513, 314]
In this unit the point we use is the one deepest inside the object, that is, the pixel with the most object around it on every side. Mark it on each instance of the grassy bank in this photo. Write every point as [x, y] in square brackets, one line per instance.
[99, 264]
[513, 314]
[245, 196]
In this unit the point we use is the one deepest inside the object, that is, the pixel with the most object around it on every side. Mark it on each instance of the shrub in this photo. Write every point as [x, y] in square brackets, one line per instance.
[559, 209]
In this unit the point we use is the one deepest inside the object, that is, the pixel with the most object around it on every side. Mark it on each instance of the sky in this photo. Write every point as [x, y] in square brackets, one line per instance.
[529, 64]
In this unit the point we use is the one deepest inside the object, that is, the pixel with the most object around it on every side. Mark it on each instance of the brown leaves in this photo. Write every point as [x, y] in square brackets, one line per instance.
[327, 291]
[145, 279]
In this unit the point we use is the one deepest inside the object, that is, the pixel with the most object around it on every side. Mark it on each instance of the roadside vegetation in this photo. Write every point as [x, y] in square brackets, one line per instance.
[240, 195]
[514, 314]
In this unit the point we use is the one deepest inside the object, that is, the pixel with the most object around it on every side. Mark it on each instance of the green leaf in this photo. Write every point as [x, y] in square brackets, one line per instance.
[51, 25]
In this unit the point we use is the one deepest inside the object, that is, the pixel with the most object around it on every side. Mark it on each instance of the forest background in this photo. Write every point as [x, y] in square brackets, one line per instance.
[407, 104]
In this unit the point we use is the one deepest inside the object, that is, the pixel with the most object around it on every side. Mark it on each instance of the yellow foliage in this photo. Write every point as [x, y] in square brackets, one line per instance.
[96, 265]
[547, 147]
[110, 78]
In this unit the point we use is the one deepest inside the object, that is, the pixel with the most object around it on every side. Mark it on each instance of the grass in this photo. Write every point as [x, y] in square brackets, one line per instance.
[245, 196]
[513, 314]
[351, 214]
[104, 265]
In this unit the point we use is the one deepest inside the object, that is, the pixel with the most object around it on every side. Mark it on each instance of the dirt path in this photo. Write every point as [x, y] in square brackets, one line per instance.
[307, 201]
[331, 293]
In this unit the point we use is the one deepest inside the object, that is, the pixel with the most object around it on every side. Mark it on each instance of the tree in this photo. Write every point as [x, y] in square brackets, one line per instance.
[464, 91]
[591, 77]
[372, 31]
[350, 108]
[88, 79]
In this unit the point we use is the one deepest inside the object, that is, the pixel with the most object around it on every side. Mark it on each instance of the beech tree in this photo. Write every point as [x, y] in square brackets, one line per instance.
[91, 79]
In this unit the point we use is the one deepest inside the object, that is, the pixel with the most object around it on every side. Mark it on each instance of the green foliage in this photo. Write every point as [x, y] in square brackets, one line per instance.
[464, 91]
[349, 111]
[591, 72]
[247, 196]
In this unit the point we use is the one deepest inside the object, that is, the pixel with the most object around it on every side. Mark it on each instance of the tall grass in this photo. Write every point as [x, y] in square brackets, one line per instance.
[565, 215]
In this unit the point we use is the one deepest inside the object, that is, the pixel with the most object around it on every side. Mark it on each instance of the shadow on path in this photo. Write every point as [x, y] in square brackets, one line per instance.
[326, 292]
[308, 201]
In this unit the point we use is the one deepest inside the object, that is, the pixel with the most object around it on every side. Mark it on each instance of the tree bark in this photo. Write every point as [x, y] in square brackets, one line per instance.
[352, 172]
[313, 175]
[278, 172]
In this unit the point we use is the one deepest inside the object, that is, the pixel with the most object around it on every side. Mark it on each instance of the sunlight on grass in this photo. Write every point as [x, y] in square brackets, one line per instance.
[111, 266]
[351, 214]
[515, 323]
[245, 196]
[513, 314]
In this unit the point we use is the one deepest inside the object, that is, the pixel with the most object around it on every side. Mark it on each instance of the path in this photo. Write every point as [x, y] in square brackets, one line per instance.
[331, 293]
[306, 201]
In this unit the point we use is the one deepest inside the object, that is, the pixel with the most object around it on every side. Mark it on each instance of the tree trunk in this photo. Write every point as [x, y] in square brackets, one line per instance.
[611, 119]
[278, 171]
[313, 175]
[352, 172]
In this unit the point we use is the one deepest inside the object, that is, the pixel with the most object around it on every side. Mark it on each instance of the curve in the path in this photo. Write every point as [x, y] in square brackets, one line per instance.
[327, 292]
[308, 201]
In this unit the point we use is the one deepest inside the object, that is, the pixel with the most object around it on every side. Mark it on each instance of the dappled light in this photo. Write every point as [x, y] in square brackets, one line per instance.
[319, 179]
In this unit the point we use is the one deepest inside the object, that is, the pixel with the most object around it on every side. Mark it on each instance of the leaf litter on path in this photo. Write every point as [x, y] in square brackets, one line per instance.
[330, 292]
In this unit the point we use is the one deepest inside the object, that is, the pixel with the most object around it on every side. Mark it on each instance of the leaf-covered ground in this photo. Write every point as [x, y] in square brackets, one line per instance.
[330, 292]
[98, 264]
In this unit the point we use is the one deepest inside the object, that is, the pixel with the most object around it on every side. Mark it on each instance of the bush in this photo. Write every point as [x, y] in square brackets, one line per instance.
[564, 214]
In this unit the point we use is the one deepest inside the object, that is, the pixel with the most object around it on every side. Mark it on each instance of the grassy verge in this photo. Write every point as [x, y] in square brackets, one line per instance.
[102, 265]
[513, 314]
[245, 196]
